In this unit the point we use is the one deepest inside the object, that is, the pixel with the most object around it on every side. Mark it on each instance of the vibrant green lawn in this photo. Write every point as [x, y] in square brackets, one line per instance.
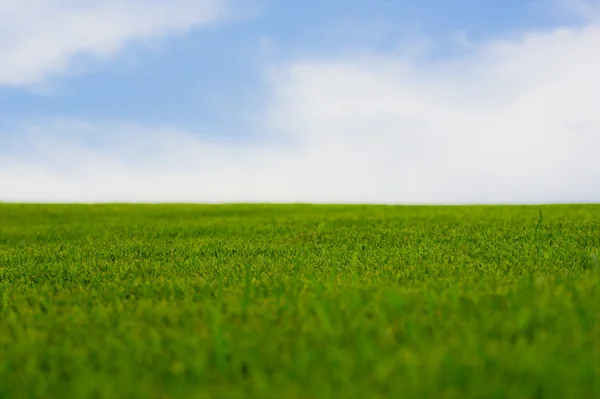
[185, 301]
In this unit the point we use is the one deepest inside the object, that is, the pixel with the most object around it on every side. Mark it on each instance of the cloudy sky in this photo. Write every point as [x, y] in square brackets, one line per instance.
[372, 101]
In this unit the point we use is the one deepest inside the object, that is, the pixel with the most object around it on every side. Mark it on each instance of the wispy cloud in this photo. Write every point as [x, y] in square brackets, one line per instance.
[586, 9]
[513, 121]
[41, 37]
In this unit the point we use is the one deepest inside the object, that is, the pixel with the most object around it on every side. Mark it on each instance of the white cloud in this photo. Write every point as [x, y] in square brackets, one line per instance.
[74, 161]
[41, 37]
[514, 121]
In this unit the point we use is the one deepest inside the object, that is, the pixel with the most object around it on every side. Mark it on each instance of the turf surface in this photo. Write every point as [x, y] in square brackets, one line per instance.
[294, 301]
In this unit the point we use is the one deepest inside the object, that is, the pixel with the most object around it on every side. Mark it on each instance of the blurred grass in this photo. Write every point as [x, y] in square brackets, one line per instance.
[299, 301]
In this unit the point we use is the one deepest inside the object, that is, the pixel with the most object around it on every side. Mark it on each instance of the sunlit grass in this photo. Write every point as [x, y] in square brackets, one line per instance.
[298, 301]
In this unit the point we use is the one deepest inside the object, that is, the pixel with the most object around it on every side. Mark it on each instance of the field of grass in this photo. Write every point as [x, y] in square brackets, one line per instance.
[298, 301]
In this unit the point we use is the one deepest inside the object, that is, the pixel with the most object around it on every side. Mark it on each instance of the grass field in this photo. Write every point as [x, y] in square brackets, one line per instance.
[294, 301]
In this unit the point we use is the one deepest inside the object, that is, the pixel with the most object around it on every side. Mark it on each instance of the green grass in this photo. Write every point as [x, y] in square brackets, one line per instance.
[294, 301]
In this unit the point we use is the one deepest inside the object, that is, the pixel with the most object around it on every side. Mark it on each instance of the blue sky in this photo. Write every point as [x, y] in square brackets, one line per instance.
[315, 101]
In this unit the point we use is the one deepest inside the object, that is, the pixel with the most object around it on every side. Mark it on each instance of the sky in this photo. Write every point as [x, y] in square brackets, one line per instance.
[322, 101]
